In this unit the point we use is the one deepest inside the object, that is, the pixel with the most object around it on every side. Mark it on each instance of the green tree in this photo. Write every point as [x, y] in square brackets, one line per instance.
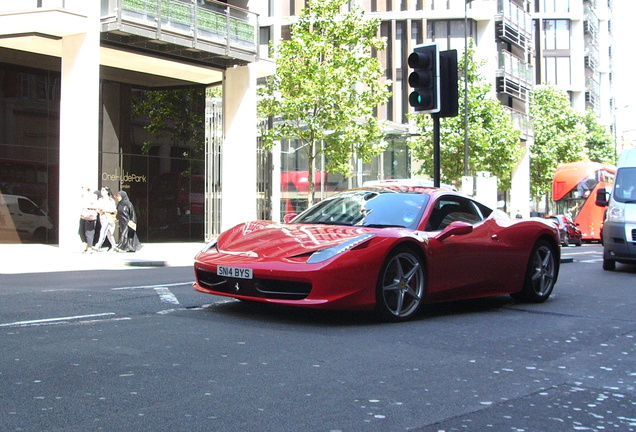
[559, 137]
[493, 141]
[599, 144]
[176, 114]
[326, 86]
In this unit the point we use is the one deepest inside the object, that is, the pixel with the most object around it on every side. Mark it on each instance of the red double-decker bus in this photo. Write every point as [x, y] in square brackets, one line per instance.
[574, 191]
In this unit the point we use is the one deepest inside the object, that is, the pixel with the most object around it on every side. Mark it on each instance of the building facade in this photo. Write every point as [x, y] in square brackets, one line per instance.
[71, 74]
[524, 43]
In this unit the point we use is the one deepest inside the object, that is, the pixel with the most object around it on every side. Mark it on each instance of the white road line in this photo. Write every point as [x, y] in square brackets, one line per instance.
[162, 291]
[53, 320]
[166, 296]
[152, 286]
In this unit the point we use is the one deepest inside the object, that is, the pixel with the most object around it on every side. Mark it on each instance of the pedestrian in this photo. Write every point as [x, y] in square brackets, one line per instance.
[128, 240]
[107, 208]
[88, 219]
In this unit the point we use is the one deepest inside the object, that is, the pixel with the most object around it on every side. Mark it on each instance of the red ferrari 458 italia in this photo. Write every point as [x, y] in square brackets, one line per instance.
[388, 249]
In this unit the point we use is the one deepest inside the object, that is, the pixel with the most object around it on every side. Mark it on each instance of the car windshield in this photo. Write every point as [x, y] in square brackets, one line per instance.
[625, 185]
[369, 208]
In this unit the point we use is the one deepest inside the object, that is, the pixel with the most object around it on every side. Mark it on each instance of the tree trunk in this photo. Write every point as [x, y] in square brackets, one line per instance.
[311, 187]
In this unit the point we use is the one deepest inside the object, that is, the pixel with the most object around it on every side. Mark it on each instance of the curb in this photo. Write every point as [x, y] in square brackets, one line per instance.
[146, 263]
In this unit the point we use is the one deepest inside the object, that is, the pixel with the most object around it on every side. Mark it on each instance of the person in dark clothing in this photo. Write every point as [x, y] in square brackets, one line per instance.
[128, 240]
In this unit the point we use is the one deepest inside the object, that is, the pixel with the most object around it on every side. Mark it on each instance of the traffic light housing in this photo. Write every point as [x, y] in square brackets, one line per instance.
[449, 95]
[424, 60]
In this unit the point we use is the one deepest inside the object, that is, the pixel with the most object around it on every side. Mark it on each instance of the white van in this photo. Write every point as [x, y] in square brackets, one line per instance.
[619, 230]
[21, 215]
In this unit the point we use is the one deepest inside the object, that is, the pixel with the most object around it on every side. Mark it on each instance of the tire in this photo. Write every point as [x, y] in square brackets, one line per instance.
[566, 240]
[541, 274]
[39, 235]
[401, 286]
[608, 264]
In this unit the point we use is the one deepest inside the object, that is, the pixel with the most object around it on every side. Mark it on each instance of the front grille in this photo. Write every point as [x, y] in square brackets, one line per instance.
[634, 235]
[261, 288]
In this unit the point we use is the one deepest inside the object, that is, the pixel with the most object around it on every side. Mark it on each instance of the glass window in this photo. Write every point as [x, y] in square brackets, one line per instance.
[451, 209]
[555, 6]
[556, 34]
[563, 72]
[625, 186]
[368, 208]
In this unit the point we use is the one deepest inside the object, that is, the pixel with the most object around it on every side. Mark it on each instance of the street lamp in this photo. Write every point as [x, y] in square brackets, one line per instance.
[466, 86]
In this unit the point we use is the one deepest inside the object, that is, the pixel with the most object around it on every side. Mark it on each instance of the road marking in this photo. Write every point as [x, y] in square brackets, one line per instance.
[152, 286]
[53, 320]
[165, 295]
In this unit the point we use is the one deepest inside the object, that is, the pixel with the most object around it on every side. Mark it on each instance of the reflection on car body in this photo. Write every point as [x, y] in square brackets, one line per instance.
[20, 215]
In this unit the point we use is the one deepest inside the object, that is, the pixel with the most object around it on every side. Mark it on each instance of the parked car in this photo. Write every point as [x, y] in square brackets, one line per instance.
[21, 215]
[568, 231]
[386, 248]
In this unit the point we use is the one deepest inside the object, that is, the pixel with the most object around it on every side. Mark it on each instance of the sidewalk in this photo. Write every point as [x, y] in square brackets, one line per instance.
[41, 258]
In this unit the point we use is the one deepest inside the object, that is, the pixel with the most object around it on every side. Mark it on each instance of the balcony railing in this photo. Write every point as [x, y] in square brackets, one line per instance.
[207, 26]
[514, 67]
[521, 121]
[513, 24]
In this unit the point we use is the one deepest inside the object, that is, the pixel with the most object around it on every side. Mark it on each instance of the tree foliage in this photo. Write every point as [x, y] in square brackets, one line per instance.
[326, 86]
[176, 114]
[563, 135]
[493, 141]
[599, 143]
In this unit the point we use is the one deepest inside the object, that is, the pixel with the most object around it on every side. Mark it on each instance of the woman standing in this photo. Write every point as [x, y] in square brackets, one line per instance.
[128, 240]
[107, 208]
[88, 219]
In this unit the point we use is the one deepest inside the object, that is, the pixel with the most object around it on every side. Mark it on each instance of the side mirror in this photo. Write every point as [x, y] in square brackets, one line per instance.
[453, 229]
[289, 217]
[602, 198]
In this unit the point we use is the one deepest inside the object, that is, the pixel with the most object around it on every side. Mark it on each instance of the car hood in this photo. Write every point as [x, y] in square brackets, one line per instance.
[264, 239]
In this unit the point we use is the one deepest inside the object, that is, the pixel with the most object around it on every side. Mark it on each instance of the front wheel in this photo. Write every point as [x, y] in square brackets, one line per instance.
[541, 274]
[609, 264]
[401, 286]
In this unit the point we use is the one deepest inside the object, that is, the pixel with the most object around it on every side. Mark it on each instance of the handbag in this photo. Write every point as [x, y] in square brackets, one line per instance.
[132, 225]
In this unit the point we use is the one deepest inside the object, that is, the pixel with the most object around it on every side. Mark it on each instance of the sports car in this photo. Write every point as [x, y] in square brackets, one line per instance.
[387, 248]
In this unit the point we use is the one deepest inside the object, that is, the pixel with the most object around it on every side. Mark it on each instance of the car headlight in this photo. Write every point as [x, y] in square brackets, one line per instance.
[330, 252]
[616, 214]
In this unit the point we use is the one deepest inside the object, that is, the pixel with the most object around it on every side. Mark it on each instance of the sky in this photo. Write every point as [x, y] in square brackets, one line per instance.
[624, 65]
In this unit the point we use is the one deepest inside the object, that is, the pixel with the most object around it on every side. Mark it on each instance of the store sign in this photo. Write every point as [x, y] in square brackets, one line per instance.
[123, 177]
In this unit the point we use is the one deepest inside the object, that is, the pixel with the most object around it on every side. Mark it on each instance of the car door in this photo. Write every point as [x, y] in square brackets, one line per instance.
[463, 266]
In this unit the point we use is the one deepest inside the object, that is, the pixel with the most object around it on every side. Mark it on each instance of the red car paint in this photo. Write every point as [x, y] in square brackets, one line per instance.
[466, 259]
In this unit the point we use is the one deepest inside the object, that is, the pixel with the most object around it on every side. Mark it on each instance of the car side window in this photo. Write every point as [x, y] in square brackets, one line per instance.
[27, 207]
[449, 209]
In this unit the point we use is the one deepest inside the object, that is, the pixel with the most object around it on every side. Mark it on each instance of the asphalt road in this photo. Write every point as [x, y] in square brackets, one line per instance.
[140, 350]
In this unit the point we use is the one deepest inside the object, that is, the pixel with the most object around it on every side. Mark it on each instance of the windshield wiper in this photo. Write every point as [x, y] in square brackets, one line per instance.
[383, 226]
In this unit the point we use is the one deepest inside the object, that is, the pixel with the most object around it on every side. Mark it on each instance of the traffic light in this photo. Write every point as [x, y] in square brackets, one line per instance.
[424, 60]
[449, 103]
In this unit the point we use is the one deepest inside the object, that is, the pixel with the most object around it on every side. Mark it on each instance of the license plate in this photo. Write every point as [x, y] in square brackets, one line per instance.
[234, 272]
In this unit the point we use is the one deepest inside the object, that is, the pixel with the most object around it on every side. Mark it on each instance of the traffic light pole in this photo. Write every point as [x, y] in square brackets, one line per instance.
[434, 83]
[437, 154]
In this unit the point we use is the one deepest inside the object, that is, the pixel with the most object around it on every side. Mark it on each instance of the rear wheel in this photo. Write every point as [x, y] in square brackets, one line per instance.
[401, 286]
[541, 274]
[566, 240]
